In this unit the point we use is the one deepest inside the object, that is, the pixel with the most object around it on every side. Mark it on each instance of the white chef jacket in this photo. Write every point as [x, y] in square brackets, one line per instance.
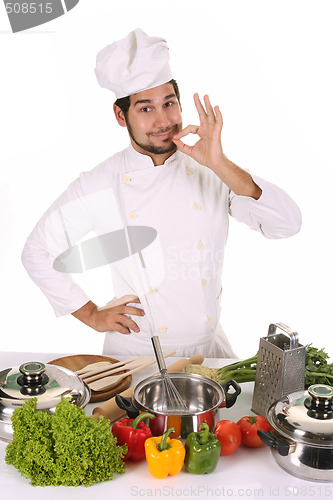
[180, 285]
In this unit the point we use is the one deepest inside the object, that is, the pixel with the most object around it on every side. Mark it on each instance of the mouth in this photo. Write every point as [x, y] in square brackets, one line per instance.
[163, 136]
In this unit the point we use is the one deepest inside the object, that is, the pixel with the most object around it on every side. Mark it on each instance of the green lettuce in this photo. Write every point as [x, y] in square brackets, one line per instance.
[66, 448]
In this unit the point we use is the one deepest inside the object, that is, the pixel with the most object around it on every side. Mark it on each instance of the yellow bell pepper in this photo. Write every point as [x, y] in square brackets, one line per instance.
[165, 456]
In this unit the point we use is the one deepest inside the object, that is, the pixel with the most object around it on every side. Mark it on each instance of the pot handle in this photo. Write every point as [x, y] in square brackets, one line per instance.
[230, 398]
[127, 405]
[271, 440]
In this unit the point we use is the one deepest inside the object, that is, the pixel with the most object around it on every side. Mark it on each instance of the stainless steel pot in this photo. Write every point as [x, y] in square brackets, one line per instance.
[47, 383]
[201, 395]
[302, 437]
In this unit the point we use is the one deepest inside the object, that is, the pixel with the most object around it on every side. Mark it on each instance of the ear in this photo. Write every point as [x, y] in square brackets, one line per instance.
[119, 114]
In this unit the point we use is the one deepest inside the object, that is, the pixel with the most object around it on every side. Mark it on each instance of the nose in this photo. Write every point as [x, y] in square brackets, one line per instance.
[162, 119]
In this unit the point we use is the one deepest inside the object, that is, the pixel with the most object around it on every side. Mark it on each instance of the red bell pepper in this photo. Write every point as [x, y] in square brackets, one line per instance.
[133, 432]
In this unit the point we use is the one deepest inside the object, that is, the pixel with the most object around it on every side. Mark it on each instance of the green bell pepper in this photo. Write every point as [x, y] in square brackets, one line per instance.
[202, 451]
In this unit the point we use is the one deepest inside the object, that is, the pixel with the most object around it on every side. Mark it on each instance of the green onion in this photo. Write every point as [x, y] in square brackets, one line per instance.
[317, 369]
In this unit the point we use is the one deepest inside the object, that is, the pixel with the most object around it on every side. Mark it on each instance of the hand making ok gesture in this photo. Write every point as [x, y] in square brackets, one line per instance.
[208, 149]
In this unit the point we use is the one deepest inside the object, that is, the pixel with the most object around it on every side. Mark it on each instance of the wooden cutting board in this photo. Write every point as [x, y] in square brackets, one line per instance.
[78, 361]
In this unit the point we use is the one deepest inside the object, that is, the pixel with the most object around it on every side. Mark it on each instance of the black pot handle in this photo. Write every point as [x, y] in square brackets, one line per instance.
[230, 398]
[274, 442]
[127, 405]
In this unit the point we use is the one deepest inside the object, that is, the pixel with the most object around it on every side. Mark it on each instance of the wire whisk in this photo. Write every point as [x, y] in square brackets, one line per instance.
[172, 401]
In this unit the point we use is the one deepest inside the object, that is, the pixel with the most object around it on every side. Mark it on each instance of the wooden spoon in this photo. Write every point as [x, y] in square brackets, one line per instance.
[104, 372]
[107, 383]
[102, 365]
[93, 366]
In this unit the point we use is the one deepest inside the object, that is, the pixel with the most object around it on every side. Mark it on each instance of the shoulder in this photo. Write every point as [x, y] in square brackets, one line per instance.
[104, 175]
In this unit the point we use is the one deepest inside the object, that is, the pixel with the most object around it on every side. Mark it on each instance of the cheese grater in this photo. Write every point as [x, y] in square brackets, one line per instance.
[280, 367]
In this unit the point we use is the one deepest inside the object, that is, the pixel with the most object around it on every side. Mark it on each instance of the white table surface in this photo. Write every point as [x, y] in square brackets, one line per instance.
[248, 473]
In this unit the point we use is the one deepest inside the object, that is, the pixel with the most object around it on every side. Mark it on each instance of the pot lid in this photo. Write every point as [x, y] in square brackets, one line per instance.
[305, 416]
[47, 383]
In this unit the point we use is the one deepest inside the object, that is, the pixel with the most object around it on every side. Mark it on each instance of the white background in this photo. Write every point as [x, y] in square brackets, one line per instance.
[268, 64]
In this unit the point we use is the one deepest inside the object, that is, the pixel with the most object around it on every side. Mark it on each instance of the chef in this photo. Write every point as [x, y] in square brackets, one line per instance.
[170, 284]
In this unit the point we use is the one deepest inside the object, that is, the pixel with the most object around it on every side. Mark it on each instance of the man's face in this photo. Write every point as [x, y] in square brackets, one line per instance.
[154, 117]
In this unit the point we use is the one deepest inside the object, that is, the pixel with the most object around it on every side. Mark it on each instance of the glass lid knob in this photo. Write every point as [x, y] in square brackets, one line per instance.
[33, 378]
[320, 404]
[32, 368]
[320, 391]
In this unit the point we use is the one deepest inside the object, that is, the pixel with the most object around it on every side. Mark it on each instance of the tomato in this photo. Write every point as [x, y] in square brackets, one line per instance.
[229, 435]
[249, 426]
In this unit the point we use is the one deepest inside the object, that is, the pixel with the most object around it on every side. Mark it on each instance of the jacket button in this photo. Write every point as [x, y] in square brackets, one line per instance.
[126, 179]
[204, 282]
[208, 318]
[197, 206]
[152, 290]
[132, 215]
[189, 170]
[200, 245]
[162, 329]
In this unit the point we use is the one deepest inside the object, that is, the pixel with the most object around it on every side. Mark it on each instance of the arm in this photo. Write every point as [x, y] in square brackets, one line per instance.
[67, 221]
[208, 150]
[62, 225]
[275, 214]
[261, 205]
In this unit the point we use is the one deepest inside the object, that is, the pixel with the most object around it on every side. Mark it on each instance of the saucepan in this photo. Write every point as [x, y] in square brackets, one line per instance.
[201, 395]
[302, 438]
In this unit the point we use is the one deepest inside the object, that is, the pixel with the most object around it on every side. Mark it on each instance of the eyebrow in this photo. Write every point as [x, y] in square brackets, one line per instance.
[148, 101]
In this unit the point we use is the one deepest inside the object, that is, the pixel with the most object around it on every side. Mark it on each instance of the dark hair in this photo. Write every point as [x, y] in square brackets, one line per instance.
[124, 102]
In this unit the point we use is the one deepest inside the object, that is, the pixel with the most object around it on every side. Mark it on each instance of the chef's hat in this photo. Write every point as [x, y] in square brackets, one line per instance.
[135, 63]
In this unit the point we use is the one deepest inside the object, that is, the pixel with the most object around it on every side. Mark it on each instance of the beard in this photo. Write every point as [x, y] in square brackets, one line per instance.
[156, 150]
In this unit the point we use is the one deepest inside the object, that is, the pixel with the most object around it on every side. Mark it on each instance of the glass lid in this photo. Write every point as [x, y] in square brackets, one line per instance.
[305, 416]
[48, 383]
